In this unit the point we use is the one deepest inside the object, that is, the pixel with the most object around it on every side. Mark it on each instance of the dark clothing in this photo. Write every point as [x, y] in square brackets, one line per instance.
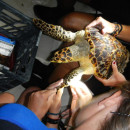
[113, 10]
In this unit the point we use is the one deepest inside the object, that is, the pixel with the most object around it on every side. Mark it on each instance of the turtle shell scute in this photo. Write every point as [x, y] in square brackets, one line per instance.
[104, 49]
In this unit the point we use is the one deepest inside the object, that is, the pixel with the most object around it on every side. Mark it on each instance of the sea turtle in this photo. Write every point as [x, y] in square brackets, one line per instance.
[94, 52]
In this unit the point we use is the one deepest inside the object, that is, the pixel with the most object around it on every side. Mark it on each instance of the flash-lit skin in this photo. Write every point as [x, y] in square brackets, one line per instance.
[108, 27]
[6, 98]
[93, 115]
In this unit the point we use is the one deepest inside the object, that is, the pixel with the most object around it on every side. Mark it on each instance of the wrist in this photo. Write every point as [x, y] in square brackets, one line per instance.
[52, 122]
[49, 125]
[113, 26]
[117, 28]
[53, 115]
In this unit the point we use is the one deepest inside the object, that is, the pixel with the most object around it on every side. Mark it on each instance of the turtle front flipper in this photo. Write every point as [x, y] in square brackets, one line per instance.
[56, 32]
[73, 53]
[64, 55]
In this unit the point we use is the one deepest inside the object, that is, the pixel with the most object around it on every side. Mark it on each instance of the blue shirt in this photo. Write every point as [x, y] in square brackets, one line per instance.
[22, 117]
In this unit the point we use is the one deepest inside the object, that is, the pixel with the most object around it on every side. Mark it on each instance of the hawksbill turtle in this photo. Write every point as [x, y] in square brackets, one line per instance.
[94, 52]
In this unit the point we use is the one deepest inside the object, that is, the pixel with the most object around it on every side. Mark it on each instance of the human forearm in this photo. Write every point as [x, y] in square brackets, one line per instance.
[125, 33]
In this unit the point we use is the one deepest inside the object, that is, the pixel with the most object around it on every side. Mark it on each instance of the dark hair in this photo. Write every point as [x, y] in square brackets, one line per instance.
[120, 120]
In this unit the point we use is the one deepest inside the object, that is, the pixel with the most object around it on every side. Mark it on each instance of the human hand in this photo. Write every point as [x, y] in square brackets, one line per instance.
[81, 96]
[56, 105]
[115, 79]
[103, 25]
[40, 101]
[55, 108]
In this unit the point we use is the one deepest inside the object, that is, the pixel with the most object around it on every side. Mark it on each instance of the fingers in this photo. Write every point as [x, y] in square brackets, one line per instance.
[74, 93]
[103, 25]
[81, 90]
[56, 84]
[66, 114]
[94, 23]
[48, 94]
[115, 78]
[114, 67]
[103, 31]
[50, 91]
[101, 80]
[52, 88]
[115, 71]
[59, 93]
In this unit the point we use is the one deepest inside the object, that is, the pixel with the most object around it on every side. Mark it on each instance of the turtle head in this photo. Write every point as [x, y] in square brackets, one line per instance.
[62, 56]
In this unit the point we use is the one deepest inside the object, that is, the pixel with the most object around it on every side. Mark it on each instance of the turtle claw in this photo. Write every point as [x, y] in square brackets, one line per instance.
[61, 86]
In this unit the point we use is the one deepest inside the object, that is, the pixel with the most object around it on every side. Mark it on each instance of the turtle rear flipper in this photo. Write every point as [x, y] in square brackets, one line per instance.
[56, 32]
[76, 75]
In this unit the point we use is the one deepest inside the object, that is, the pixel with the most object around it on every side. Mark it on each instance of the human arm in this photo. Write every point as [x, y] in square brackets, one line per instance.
[108, 27]
[115, 79]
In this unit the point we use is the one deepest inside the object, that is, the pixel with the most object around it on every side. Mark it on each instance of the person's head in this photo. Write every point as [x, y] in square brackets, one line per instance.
[107, 112]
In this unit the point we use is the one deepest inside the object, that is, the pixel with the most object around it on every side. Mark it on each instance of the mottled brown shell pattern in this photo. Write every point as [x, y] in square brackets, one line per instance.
[104, 49]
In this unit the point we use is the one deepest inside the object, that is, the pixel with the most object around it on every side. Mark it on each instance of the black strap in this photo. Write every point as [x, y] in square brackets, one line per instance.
[52, 121]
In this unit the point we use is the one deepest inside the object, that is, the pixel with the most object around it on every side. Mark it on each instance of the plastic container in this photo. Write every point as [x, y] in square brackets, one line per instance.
[6, 51]
[20, 28]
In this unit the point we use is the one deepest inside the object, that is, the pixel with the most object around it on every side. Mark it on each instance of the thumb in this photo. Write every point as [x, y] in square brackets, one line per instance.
[60, 92]
[50, 92]
[92, 24]
[103, 31]
[55, 84]
[74, 94]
